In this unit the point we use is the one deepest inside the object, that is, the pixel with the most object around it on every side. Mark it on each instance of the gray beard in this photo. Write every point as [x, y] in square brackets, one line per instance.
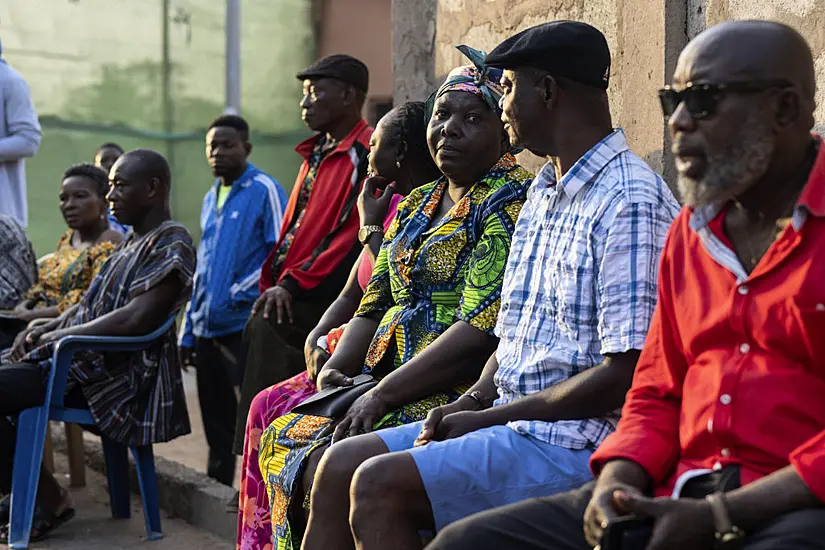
[732, 171]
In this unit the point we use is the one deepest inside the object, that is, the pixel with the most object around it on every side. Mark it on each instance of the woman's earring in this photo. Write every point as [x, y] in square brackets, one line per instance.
[398, 164]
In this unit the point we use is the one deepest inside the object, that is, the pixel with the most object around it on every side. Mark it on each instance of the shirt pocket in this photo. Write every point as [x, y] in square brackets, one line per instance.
[810, 317]
[570, 295]
[512, 298]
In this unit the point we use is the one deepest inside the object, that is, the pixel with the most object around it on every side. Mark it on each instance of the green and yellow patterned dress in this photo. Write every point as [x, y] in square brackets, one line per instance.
[429, 274]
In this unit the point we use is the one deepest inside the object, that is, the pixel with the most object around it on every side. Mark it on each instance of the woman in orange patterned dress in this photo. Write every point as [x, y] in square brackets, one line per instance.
[64, 276]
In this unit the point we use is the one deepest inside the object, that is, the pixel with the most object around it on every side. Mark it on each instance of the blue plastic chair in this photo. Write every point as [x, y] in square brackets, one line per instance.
[31, 434]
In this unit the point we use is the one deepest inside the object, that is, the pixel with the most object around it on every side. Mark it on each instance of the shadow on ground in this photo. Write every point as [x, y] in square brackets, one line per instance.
[94, 529]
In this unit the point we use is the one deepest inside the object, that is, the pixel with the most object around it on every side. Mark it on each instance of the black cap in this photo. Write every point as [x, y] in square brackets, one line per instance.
[565, 49]
[340, 67]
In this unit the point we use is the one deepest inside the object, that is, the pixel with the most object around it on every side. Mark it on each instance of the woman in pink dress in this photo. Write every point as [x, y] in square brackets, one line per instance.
[399, 161]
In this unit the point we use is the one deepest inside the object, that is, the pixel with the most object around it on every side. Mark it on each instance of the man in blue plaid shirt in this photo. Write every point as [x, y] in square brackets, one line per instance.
[578, 296]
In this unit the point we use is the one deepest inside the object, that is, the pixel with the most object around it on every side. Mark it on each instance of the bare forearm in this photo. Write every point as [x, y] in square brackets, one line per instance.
[43, 313]
[352, 349]
[625, 472]
[592, 393]
[125, 321]
[142, 315]
[51, 325]
[779, 493]
[486, 382]
[454, 357]
[373, 246]
[339, 312]
[342, 309]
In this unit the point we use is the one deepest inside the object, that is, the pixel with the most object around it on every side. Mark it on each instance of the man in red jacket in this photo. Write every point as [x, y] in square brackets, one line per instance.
[318, 243]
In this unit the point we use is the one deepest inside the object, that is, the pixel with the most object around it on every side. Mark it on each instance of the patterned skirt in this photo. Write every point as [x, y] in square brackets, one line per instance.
[287, 443]
[254, 528]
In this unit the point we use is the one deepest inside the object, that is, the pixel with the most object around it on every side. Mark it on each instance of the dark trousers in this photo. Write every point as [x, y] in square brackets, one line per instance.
[274, 353]
[220, 366]
[9, 329]
[555, 523]
[21, 387]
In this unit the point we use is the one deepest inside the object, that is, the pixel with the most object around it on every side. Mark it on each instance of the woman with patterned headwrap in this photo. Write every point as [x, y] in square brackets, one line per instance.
[425, 324]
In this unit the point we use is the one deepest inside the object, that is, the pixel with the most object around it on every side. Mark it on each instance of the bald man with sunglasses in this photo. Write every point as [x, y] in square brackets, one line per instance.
[722, 437]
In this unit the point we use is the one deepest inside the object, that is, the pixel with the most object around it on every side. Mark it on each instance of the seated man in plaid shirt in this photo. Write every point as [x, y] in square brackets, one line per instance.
[578, 296]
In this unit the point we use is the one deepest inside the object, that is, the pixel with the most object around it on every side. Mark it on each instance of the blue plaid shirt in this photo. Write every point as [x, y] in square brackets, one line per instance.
[581, 279]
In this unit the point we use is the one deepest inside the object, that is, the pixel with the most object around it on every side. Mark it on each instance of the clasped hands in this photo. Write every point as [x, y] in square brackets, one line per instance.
[30, 338]
[680, 524]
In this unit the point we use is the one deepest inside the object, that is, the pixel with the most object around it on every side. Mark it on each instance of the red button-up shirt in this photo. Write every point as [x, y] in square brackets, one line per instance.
[733, 368]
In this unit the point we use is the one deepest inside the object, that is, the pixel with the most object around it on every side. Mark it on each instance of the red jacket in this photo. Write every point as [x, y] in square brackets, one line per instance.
[330, 226]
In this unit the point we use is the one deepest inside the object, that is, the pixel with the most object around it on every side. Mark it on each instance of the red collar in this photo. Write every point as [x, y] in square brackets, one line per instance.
[305, 147]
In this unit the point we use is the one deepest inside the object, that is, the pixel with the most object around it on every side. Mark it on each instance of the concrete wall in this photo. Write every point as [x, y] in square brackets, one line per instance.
[363, 29]
[642, 50]
[413, 49]
[806, 16]
[645, 38]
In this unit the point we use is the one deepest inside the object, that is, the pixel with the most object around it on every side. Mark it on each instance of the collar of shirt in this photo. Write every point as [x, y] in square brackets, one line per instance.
[248, 174]
[306, 147]
[586, 168]
[244, 180]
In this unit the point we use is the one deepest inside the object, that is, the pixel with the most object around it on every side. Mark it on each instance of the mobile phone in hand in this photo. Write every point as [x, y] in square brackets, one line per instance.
[627, 533]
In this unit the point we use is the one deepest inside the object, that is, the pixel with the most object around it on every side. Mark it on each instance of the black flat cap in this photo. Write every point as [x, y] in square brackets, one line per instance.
[340, 67]
[565, 49]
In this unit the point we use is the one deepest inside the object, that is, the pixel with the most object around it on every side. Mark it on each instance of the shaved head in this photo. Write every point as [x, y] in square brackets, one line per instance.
[147, 164]
[140, 182]
[750, 50]
[749, 133]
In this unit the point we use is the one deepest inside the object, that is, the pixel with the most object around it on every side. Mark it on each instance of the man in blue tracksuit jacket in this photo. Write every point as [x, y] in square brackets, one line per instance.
[240, 223]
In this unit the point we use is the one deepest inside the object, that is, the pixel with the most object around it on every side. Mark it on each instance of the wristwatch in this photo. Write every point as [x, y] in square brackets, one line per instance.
[366, 231]
[726, 532]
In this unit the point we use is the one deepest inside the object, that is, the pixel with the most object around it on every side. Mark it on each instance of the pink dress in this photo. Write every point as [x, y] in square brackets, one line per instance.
[254, 527]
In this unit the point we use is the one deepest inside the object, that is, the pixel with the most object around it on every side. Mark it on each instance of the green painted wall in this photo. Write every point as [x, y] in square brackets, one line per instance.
[95, 71]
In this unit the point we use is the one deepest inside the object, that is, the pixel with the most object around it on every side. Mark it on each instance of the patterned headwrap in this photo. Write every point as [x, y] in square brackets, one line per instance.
[476, 79]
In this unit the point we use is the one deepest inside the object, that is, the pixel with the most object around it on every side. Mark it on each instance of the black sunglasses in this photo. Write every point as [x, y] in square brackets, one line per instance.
[701, 100]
